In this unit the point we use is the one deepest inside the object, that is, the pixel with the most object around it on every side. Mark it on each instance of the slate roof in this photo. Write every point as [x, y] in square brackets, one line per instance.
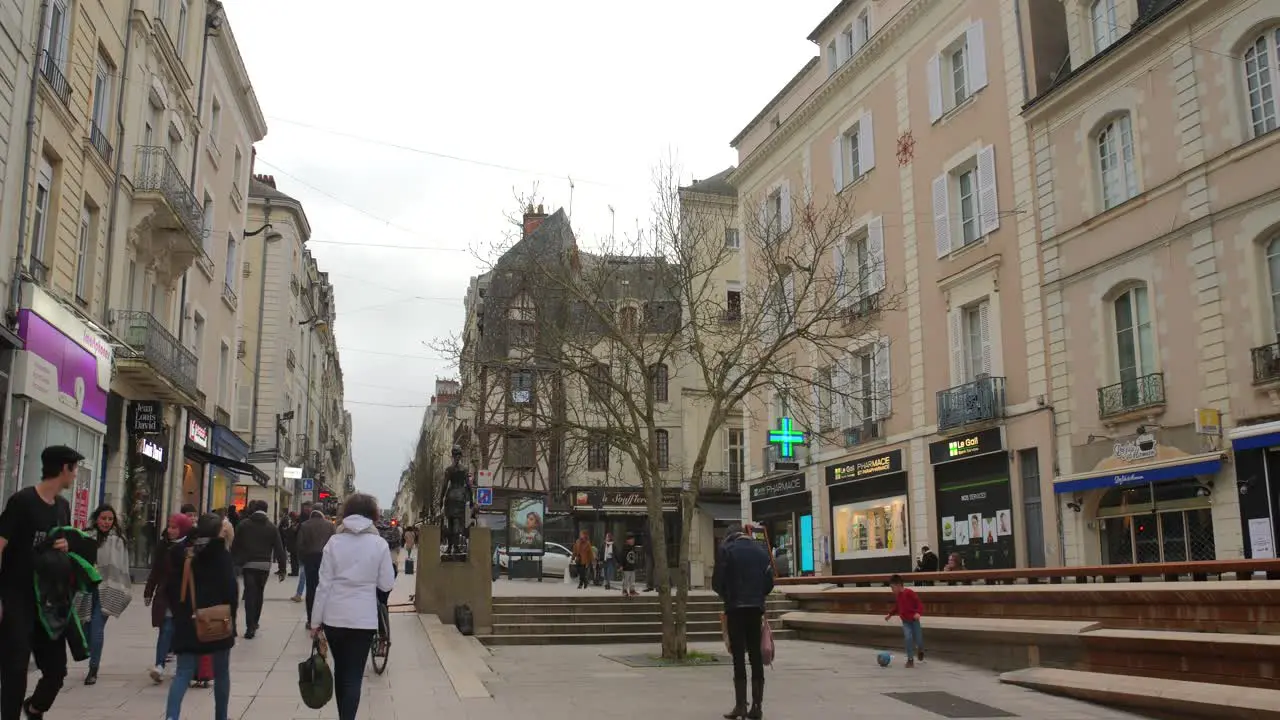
[717, 184]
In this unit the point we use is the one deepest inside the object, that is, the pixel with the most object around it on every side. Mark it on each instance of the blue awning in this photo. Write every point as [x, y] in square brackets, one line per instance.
[1252, 437]
[1154, 472]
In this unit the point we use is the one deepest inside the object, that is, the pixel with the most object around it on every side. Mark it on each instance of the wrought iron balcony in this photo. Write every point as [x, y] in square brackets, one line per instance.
[718, 483]
[1266, 364]
[157, 173]
[229, 296]
[150, 344]
[977, 401]
[53, 75]
[98, 139]
[1131, 394]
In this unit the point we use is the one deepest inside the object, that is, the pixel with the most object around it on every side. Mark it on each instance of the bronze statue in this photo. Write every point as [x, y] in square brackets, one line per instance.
[455, 496]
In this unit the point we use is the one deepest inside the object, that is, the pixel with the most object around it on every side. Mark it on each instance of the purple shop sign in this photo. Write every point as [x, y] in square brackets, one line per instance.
[60, 371]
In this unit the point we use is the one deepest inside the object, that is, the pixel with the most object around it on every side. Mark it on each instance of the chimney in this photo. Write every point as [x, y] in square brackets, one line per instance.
[533, 218]
[268, 180]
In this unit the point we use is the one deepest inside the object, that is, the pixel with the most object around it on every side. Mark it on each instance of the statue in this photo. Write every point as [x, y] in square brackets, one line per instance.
[455, 496]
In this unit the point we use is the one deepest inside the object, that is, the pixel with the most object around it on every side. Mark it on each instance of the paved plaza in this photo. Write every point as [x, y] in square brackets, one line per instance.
[434, 673]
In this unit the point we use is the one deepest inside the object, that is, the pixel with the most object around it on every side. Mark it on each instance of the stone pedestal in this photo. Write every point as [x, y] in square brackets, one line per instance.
[442, 586]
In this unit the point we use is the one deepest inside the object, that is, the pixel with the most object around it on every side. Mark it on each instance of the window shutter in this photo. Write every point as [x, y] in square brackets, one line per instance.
[875, 249]
[842, 383]
[942, 215]
[956, 321]
[977, 47]
[984, 332]
[842, 50]
[866, 143]
[842, 282]
[837, 162]
[935, 88]
[786, 205]
[244, 406]
[884, 388]
[988, 201]
[762, 217]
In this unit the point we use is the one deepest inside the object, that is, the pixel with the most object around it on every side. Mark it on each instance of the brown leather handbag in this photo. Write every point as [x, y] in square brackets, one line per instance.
[213, 624]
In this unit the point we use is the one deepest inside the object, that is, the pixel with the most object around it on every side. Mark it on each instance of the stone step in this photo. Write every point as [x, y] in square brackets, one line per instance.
[653, 635]
[618, 605]
[605, 628]
[1157, 697]
[585, 615]
[570, 598]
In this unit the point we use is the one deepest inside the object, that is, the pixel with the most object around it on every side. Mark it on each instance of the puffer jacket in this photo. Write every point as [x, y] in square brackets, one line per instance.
[743, 575]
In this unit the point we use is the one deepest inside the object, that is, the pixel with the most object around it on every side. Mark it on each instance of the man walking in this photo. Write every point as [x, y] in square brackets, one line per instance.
[312, 537]
[257, 543]
[304, 514]
[743, 578]
[29, 516]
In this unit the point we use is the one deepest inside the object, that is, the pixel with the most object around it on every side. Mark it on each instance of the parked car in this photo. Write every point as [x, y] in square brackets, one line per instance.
[555, 559]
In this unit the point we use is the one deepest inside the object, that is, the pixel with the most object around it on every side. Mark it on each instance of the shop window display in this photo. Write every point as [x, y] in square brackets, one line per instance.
[871, 529]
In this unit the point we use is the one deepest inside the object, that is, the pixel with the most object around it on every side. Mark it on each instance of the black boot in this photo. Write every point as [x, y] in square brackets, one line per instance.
[757, 698]
[739, 710]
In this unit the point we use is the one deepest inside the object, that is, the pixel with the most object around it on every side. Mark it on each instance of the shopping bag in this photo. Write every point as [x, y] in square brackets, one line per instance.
[724, 632]
[84, 606]
[204, 668]
[766, 642]
[315, 679]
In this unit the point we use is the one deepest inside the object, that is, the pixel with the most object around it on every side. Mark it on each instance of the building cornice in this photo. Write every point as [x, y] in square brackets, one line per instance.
[876, 48]
[241, 85]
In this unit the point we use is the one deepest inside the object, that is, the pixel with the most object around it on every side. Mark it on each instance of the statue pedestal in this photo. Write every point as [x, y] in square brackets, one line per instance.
[441, 584]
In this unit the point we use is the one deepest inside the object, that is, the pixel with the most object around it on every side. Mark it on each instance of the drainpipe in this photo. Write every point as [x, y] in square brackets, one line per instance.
[257, 352]
[212, 22]
[15, 286]
[115, 181]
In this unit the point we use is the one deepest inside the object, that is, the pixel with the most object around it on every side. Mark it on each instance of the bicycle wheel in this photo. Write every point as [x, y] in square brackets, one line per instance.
[382, 641]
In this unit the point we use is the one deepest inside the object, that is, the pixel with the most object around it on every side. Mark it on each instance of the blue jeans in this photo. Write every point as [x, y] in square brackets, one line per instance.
[97, 632]
[302, 580]
[186, 672]
[164, 640]
[913, 636]
[608, 571]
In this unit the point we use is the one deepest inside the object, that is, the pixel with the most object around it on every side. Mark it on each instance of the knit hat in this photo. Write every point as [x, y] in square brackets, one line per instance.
[182, 522]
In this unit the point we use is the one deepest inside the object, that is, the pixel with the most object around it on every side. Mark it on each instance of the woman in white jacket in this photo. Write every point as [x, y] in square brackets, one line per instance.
[112, 595]
[355, 574]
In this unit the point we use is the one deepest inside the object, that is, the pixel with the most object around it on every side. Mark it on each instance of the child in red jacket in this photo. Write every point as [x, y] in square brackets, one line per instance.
[907, 606]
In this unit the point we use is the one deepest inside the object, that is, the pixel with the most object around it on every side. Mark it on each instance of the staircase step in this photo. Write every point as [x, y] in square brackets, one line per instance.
[637, 637]
[610, 628]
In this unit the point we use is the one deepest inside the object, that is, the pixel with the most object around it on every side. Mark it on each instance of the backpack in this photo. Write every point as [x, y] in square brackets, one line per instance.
[464, 620]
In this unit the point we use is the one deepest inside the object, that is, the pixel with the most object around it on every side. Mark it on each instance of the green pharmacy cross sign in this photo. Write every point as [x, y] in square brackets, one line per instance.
[786, 437]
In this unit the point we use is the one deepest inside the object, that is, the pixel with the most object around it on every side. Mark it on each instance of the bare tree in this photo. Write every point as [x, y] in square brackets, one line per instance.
[640, 338]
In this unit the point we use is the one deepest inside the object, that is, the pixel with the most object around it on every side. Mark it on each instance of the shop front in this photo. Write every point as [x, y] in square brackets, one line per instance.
[198, 445]
[868, 501]
[624, 511]
[60, 383]
[145, 469]
[974, 500]
[1147, 500]
[1257, 464]
[228, 485]
[783, 508]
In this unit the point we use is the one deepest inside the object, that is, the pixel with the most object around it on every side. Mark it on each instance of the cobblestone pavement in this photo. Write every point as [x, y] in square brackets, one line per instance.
[809, 680]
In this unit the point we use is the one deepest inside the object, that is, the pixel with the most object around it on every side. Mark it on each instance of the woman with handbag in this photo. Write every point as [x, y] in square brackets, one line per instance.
[355, 575]
[113, 594]
[155, 595]
[202, 597]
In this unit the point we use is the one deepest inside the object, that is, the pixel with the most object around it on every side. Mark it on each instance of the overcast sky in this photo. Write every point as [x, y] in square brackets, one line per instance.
[405, 130]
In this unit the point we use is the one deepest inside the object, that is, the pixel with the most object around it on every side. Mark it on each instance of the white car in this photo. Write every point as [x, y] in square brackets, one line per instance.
[555, 559]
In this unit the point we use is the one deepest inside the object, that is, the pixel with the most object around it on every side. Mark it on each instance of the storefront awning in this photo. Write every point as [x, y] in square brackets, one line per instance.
[1252, 437]
[1141, 474]
[238, 467]
[724, 512]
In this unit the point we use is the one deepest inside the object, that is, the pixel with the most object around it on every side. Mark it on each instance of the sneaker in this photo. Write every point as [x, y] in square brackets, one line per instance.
[910, 663]
[296, 598]
[157, 674]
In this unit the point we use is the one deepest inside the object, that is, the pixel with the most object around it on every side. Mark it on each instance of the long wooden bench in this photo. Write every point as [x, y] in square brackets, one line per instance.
[1172, 699]
[1166, 572]
[1227, 658]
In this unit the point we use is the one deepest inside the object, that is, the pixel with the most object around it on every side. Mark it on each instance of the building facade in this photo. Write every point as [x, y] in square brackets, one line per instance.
[418, 492]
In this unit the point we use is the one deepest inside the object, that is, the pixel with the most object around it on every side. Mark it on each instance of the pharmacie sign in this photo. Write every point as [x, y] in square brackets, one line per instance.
[777, 488]
[867, 467]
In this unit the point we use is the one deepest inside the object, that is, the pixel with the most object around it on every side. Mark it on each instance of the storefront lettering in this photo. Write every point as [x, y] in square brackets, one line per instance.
[151, 450]
[1127, 479]
[777, 488]
[146, 417]
[885, 464]
[1142, 447]
[973, 496]
[198, 434]
[979, 443]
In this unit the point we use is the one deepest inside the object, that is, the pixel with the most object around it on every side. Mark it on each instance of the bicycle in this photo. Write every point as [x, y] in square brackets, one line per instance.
[381, 649]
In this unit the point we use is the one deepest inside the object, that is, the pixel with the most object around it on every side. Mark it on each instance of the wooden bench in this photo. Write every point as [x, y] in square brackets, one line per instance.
[1168, 572]
[1161, 698]
[1226, 658]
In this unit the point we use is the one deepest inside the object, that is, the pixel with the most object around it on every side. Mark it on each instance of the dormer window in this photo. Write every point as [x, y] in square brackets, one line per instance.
[1102, 18]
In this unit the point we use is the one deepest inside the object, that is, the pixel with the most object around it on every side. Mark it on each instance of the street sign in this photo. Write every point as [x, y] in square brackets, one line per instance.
[305, 496]
[484, 496]
[308, 484]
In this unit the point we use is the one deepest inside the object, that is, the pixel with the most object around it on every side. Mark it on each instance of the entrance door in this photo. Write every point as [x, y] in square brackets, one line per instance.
[1167, 522]
[193, 484]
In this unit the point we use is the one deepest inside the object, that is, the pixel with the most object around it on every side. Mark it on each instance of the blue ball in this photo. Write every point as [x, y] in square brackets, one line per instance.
[884, 659]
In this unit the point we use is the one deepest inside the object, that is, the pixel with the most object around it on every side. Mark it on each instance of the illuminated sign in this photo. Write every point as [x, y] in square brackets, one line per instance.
[198, 433]
[863, 468]
[150, 450]
[959, 448]
[786, 437]
[777, 488]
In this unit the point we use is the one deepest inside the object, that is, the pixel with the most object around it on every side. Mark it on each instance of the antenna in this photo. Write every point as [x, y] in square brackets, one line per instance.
[570, 199]
[613, 222]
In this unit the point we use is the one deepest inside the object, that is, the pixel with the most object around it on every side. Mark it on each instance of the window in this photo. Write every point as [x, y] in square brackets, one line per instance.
[861, 30]
[1135, 342]
[627, 317]
[1273, 270]
[522, 309]
[244, 406]
[847, 42]
[971, 190]
[965, 183]
[774, 216]
[182, 27]
[207, 223]
[232, 262]
[82, 257]
[197, 334]
[662, 449]
[215, 122]
[735, 454]
[970, 343]
[1260, 68]
[237, 167]
[57, 29]
[162, 10]
[40, 219]
[597, 454]
[858, 263]
[1102, 18]
[875, 528]
[957, 73]
[733, 305]
[598, 382]
[132, 301]
[853, 152]
[833, 59]
[521, 386]
[658, 378]
[1116, 166]
[224, 367]
[863, 393]
[519, 452]
[731, 239]
[102, 94]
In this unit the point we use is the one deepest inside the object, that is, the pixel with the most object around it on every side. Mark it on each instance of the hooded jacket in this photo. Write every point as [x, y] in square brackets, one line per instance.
[59, 577]
[257, 542]
[743, 576]
[355, 570]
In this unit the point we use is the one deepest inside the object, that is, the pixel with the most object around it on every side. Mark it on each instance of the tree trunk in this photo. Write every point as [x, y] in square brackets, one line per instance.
[674, 645]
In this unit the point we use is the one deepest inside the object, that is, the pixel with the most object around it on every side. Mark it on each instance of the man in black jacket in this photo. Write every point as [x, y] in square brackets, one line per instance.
[743, 578]
[257, 543]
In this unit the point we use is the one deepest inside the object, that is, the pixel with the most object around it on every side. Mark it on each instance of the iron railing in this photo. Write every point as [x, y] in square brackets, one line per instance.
[148, 340]
[1266, 363]
[772, 455]
[53, 75]
[977, 401]
[229, 295]
[716, 483]
[1131, 394]
[98, 139]
[205, 262]
[157, 173]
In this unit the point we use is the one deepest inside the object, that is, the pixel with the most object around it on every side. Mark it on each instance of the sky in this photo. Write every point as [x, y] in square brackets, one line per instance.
[407, 132]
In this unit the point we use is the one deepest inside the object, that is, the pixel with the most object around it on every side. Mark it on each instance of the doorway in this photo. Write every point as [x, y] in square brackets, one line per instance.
[1165, 522]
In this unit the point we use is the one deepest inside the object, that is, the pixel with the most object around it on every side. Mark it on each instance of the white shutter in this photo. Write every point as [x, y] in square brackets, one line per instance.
[244, 405]
[942, 215]
[884, 388]
[935, 88]
[988, 200]
[842, 50]
[984, 332]
[842, 282]
[763, 219]
[837, 162]
[875, 251]
[956, 320]
[786, 205]
[977, 47]
[866, 143]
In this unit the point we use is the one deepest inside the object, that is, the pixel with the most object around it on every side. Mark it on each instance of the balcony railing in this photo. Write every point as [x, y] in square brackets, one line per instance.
[862, 307]
[772, 455]
[1266, 364]
[149, 341]
[1132, 394]
[158, 173]
[229, 296]
[52, 74]
[977, 401]
[718, 483]
[98, 139]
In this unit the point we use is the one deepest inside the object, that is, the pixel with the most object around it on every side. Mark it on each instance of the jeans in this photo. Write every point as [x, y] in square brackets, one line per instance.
[913, 636]
[582, 575]
[97, 632]
[19, 641]
[186, 672]
[255, 584]
[164, 639]
[311, 567]
[302, 579]
[745, 641]
[349, 650]
[609, 566]
[628, 581]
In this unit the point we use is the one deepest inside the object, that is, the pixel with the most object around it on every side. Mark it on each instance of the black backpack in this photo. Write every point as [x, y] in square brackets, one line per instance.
[464, 620]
